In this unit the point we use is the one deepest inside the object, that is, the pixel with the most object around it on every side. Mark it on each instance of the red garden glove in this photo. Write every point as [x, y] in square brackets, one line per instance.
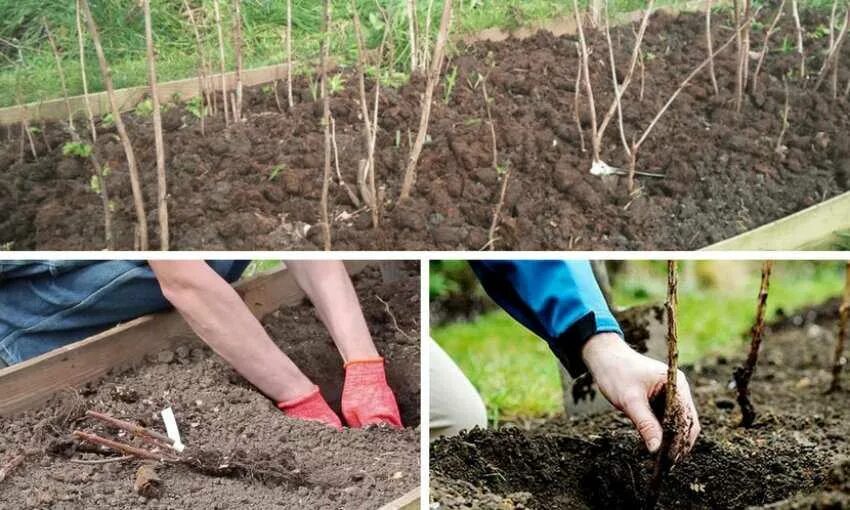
[311, 406]
[366, 397]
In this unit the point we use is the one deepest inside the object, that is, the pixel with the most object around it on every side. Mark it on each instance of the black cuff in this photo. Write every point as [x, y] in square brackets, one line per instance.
[567, 347]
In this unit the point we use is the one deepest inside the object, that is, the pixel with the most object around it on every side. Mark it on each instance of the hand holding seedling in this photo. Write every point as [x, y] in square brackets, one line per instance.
[631, 381]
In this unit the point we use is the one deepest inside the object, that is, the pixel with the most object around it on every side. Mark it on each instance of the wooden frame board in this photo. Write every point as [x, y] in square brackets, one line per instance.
[811, 228]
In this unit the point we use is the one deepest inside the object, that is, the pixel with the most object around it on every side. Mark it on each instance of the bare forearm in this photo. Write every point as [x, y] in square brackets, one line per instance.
[329, 288]
[217, 314]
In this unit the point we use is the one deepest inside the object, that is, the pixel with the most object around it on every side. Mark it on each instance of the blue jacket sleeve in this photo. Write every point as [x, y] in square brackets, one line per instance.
[559, 300]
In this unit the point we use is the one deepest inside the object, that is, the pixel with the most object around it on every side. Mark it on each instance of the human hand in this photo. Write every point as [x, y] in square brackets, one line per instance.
[366, 397]
[630, 381]
[311, 407]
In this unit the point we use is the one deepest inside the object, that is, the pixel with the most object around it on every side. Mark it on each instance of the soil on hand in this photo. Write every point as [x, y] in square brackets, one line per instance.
[274, 461]
[797, 455]
[256, 185]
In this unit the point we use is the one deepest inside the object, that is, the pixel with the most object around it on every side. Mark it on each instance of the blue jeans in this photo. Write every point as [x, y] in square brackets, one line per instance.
[50, 304]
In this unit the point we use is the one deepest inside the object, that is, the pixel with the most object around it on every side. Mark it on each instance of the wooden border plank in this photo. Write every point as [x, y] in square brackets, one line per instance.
[128, 98]
[409, 501]
[33, 382]
[806, 229]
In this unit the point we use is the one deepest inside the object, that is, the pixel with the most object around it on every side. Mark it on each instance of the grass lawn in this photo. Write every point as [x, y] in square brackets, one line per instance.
[518, 375]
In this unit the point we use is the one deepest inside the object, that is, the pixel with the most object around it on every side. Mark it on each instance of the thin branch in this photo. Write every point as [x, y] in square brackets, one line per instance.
[106, 73]
[709, 46]
[834, 52]
[82, 50]
[132, 428]
[798, 26]
[576, 97]
[203, 80]
[221, 62]
[351, 194]
[237, 47]
[588, 88]
[326, 120]
[785, 111]
[123, 448]
[743, 374]
[497, 212]
[289, 54]
[765, 48]
[393, 319]
[411, 30]
[433, 77]
[60, 72]
[672, 410]
[159, 143]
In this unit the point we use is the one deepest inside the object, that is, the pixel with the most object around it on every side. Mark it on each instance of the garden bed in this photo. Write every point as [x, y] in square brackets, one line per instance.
[257, 185]
[317, 467]
[797, 455]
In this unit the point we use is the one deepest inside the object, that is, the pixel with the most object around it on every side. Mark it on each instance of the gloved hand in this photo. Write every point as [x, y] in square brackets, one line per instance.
[630, 380]
[366, 397]
[311, 406]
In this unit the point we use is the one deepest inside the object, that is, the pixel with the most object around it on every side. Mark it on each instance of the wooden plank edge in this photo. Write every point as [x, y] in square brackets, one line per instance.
[34, 381]
[128, 98]
[804, 229]
[408, 501]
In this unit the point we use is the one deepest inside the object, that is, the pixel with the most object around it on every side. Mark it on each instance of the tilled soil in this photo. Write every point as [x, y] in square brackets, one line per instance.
[722, 175]
[283, 463]
[796, 456]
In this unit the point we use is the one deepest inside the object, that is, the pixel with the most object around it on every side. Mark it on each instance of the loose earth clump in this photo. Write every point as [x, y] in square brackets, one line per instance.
[797, 455]
[242, 451]
[257, 184]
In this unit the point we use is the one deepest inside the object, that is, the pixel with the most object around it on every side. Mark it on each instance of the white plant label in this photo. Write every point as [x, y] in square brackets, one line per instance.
[171, 428]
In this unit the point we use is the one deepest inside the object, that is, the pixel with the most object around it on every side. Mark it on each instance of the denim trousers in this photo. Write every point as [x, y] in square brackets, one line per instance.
[50, 304]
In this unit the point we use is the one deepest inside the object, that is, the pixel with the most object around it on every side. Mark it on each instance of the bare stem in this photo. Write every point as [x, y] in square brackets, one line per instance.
[765, 47]
[82, 50]
[497, 212]
[237, 47]
[709, 46]
[132, 428]
[799, 27]
[843, 323]
[326, 121]
[289, 54]
[141, 218]
[576, 97]
[61, 73]
[588, 88]
[202, 64]
[433, 77]
[121, 447]
[221, 62]
[162, 185]
[785, 111]
[831, 60]
[411, 30]
[743, 374]
[672, 411]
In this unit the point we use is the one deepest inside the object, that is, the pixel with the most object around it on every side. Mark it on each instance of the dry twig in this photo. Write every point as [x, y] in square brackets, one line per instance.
[743, 374]
[672, 420]
[326, 120]
[162, 186]
[135, 184]
[221, 63]
[433, 77]
[764, 47]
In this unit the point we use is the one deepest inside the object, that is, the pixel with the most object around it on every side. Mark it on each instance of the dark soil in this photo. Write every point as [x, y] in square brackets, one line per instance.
[722, 175]
[796, 456]
[273, 461]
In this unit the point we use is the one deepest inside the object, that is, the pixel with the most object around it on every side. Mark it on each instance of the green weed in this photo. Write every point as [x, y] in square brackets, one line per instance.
[78, 149]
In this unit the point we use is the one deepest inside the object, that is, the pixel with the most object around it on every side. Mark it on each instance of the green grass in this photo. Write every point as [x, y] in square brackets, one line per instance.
[27, 67]
[517, 375]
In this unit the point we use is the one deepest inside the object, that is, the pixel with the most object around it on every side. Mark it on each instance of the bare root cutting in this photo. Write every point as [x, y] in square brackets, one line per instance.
[743, 374]
[673, 417]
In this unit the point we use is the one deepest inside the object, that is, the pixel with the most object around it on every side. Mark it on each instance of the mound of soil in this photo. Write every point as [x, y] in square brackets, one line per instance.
[280, 462]
[715, 163]
[796, 456]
